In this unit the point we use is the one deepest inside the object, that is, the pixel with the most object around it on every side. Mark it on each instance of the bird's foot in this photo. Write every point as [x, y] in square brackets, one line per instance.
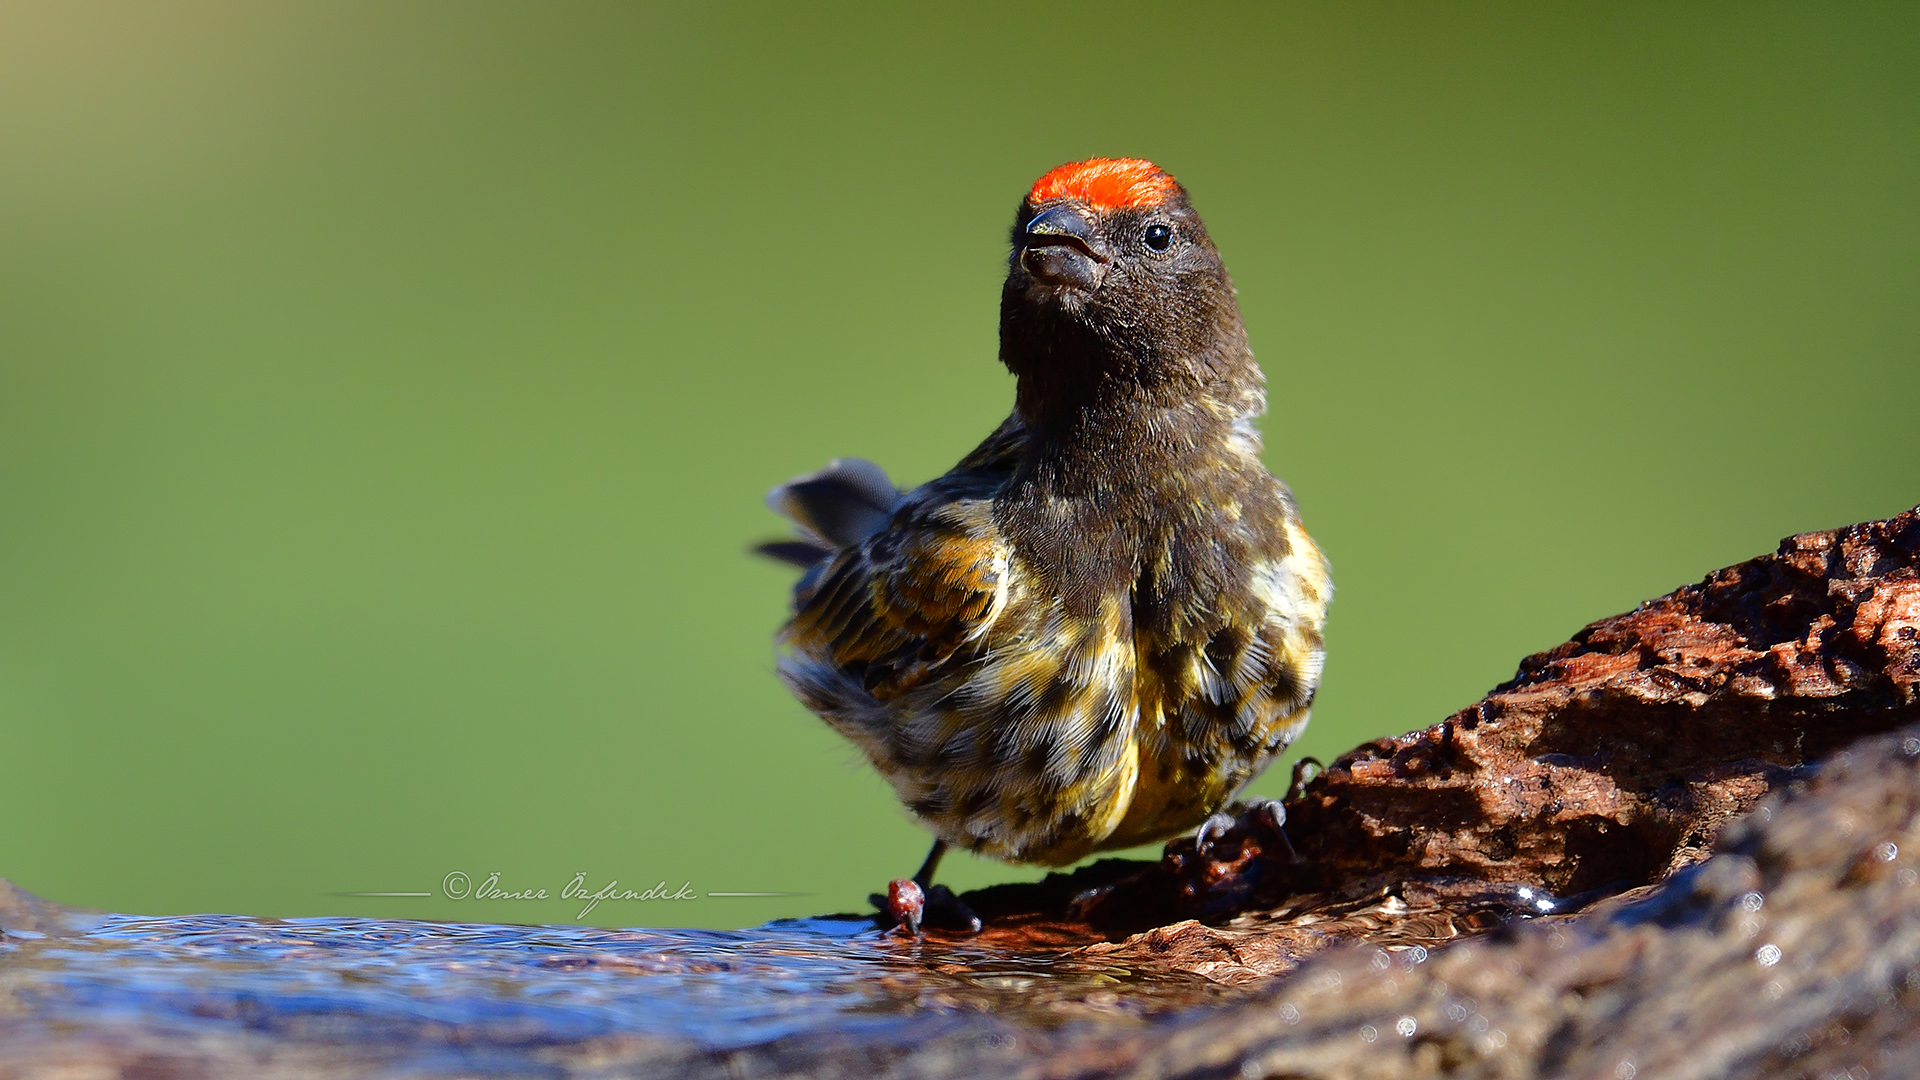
[1265, 815]
[946, 911]
[904, 906]
[909, 907]
[1210, 832]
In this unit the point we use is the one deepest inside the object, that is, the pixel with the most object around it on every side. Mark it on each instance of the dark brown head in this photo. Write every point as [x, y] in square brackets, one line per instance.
[1113, 287]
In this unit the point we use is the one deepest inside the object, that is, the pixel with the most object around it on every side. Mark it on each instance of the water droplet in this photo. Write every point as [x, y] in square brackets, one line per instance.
[1406, 1026]
[1290, 1014]
[1753, 901]
[1775, 991]
[1368, 1033]
[1625, 1071]
[1910, 746]
[1906, 875]
[1887, 851]
[1539, 901]
[1767, 955]
[1380, 960]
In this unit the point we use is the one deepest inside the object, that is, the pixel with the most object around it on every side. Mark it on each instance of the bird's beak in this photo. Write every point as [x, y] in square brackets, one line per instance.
[1061, 248]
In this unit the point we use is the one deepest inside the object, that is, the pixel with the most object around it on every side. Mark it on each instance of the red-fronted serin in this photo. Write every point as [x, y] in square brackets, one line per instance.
[1095, 629]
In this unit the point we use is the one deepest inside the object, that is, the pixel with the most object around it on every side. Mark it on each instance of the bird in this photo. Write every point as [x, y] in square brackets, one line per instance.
[1094, 630]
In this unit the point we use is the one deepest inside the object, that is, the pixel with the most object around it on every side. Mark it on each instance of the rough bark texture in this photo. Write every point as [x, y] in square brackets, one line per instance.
[1617, 757]
[1793, 953]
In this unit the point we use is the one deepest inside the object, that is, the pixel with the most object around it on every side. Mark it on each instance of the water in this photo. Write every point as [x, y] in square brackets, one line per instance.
[449, 985]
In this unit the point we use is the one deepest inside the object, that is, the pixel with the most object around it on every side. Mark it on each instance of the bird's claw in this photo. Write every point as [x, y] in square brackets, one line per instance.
[1270, 814]
[1273, 814]
[1211, 830]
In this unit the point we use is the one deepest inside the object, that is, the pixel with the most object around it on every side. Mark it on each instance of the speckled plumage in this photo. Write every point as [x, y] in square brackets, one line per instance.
[1106, 619]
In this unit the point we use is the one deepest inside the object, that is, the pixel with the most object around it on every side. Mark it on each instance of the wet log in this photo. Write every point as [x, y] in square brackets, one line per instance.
[1793, 953]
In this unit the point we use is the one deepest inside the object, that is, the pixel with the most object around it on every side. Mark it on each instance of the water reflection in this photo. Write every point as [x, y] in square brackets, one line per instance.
[540, 984]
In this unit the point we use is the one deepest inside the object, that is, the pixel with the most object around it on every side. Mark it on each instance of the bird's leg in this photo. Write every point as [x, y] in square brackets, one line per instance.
[1270, 814]
[924, 876]
[917, 901]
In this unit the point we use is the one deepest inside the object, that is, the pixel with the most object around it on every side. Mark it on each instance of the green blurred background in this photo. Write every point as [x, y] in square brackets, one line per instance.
[387, 392]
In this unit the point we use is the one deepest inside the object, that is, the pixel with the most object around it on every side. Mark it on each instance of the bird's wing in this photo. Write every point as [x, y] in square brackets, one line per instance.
[895, 608]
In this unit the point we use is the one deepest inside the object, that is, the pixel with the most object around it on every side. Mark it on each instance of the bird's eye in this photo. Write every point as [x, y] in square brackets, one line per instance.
[1159, 237]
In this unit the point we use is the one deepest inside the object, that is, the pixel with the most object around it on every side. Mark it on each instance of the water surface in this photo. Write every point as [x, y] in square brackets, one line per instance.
[427, 987]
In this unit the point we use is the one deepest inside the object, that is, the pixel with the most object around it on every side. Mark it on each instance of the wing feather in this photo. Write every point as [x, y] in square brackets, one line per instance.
[899, 605]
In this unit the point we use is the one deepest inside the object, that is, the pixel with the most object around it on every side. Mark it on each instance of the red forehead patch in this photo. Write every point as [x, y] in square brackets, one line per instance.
[1106, 183]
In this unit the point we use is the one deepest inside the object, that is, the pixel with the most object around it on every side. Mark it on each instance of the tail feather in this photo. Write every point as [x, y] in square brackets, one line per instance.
[839, 506]
[800, 553]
